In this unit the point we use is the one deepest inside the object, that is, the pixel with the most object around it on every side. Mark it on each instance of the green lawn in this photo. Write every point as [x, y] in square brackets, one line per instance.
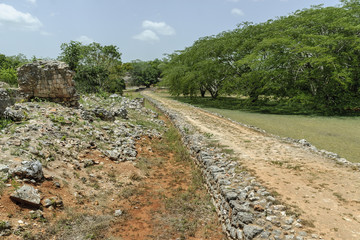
[336, 134]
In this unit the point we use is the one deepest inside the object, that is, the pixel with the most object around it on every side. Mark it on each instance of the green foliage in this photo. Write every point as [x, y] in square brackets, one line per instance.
[4, 123]
[145, 73]
[293, 60]
[8, 65]
[9, 76]
[98, 68]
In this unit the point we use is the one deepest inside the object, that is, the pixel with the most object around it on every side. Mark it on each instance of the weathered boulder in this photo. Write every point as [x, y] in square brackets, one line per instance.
[9, 97]
[13, 114]
[52, 80]
[29, 169]
[104, 114]
[26, 195]
[121, 112]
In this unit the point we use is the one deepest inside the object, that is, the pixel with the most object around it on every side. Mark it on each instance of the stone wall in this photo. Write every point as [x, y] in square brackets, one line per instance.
[246, 209]
[52, 80]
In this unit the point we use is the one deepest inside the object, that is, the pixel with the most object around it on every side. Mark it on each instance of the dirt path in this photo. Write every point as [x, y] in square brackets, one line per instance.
[165, 204]
[326, 194]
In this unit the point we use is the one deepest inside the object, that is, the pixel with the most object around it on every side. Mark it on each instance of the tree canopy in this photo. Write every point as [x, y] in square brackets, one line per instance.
[145, 73]
[97, 67]
[309, 58]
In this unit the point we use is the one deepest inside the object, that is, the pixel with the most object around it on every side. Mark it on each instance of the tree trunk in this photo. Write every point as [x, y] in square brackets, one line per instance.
[202, 91]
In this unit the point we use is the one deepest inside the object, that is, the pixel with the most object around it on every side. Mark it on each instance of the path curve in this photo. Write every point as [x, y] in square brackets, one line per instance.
[327, 194]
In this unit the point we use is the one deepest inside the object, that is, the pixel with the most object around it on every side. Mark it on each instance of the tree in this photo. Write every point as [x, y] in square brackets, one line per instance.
[145, 73]
[291, 60]
[8, 66]
[97, 67]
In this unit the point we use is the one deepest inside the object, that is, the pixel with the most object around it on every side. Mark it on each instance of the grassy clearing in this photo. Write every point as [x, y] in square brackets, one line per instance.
[335, 134]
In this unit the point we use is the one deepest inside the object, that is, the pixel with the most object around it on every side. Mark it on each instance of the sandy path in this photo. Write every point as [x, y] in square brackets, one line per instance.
[326, 194]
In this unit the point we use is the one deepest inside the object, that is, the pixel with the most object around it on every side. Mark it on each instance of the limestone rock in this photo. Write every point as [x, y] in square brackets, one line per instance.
[251, 231]
[118, 213]
[4, 168]
[26, 195]
[104, 114]
[55, 202]
[30, 170]
[13, 115]
[122, 112]
[8, 97]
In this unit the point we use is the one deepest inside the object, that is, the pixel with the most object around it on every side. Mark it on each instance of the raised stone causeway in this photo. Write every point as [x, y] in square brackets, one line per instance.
[246, 209]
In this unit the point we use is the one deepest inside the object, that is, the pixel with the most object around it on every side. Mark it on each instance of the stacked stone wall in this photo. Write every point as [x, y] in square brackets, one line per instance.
[52, 80]
[246, 209]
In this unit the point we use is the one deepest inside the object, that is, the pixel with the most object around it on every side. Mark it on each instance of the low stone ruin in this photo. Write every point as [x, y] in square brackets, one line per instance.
[8, 97]
[52, 80]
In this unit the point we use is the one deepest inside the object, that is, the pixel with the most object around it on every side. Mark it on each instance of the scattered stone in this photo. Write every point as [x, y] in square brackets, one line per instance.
[89, 163]
[118, 213]
[16, 116]
[104, 114]
[26, 195]
[5, 225]
[38, 214]
[54, 202]
[4, 168]
[121, 112]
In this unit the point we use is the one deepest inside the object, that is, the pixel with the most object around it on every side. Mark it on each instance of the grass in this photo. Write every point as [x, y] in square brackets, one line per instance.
[335, 134]
[83, 226]
[4, 123]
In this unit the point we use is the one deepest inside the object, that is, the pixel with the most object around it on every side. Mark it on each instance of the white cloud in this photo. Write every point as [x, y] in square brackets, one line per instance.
[159, 27]
[237, 12]
[14, 19]
[31, 1]
[44, 33]
[85, 40]
[147, 36]
[235, 1]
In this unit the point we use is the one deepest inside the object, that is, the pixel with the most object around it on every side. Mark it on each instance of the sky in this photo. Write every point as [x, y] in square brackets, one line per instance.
[141, 29]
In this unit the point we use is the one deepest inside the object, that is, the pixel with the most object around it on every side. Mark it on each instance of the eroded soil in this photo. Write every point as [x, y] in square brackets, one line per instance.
[325, 194]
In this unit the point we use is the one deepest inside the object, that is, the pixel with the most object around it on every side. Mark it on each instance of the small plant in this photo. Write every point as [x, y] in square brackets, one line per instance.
[339, 196]
[208, 135]
[135, 177]
[15, 184]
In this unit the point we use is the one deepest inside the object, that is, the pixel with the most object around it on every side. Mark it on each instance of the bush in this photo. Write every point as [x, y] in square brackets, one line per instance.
[9, 76]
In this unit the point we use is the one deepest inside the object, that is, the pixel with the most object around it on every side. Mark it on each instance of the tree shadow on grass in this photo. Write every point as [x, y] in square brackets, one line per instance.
[260, 106]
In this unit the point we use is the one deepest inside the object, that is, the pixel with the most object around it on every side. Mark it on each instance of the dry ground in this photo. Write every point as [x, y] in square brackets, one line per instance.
[326, 194]
[161, 194]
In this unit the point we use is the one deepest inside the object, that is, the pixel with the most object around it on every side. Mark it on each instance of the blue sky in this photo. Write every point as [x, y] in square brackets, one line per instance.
[142, 29]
